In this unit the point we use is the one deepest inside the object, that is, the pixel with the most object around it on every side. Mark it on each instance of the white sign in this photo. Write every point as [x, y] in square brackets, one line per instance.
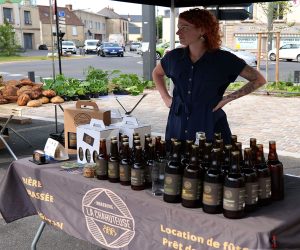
[245, 42]
[55, 150]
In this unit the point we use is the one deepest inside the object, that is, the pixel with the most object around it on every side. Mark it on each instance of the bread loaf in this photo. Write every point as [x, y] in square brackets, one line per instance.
[34, 103]
[44, 100]
[23, 100]
[49, 93]
[57, 99]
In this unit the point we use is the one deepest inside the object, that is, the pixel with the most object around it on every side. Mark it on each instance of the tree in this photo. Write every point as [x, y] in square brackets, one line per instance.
[8, 43]
[274, 11]
[159, 27]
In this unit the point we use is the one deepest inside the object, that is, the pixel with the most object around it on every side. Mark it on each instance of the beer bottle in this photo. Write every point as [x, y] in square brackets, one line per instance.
[234, 190]
[251, 181]
[102, 161]
[192, 181]
[173, 177]
[149, 158]
[217, 136]
[138, 170]
[158, 170]
[253, 150]
[207, 156]
[276, 170]
[233, 141]
[125, 165]
[187, 153]
[264, 177]
[238, 147]
[225, 166]
[113, 162]
[213, 186]
[157, 144]
[202, 141]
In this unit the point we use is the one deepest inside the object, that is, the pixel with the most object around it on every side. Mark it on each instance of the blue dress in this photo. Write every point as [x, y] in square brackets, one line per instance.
[198, 88]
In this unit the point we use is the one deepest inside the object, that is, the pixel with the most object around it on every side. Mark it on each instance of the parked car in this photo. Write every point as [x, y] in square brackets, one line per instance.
[176, 45]
[90, 45]
[247, 56]
[288, 52]
[134, 46]
[112, 49]
[68, 46]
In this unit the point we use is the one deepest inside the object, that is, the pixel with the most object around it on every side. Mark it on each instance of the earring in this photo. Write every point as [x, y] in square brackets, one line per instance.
[202, 39]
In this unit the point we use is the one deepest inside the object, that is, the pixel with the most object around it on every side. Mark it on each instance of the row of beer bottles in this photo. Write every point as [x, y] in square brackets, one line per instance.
[232, 194]
[128, 167]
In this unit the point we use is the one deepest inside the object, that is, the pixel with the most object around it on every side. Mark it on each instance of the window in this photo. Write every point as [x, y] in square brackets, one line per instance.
[74, 31]
[27, 17]
[7, 14]
[250, 10]
[278, 12]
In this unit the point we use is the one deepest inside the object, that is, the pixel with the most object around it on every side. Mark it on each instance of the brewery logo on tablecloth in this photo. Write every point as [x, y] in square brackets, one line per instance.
[108, 218]
[81, 119]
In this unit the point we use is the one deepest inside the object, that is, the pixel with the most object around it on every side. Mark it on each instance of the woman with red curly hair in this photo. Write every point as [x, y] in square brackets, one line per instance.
[201, 72]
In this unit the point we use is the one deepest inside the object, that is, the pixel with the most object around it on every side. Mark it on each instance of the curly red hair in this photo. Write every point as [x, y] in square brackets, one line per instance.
[202, 18]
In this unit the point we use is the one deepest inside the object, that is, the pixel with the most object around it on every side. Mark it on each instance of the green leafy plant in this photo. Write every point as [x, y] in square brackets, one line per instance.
[128, 83]
[8, 43]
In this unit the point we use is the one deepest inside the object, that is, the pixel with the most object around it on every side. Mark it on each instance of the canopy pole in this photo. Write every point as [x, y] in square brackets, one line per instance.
[172, 37]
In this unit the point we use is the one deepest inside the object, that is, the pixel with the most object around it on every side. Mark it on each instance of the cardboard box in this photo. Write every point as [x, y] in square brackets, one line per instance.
[130, 125]
[81, 114]
[88, 139]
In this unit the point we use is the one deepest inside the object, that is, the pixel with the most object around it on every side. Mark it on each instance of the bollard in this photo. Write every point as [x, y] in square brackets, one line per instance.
[297, 76]
[31, 76]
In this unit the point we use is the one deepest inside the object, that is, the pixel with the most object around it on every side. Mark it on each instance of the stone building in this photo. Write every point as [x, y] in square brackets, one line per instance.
[115, 24]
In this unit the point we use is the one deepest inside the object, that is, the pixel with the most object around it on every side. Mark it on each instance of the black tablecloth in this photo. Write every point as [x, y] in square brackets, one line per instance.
[114, 216]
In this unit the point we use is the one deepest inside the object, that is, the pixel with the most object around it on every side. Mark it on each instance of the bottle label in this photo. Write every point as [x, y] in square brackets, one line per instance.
[264, 188]
[137, 177]
[191, 189]
[251, 193]
[113, 169]
[172, 184]
[101, 167]
[234, 198]
[212, 194]
[125, 172]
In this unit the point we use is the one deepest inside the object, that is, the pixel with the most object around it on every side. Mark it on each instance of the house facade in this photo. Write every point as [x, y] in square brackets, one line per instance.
[244, 34]
[25, 21]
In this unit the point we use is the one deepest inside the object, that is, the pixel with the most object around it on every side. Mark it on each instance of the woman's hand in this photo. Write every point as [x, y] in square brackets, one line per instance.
[222, 103]
[168, 101]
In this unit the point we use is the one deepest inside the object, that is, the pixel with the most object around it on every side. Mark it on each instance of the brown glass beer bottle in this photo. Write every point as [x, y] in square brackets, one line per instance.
[276, 170]
[264, 177]
[125, 165]
[251, 182]
[173, 177]
[192, 182]
[234, 190]
[138, 170]
[213, 186]
[113, 163]
[102, 161]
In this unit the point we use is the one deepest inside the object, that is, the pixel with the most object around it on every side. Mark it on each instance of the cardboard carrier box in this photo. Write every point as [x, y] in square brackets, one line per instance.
[88, 140]
[81, 114]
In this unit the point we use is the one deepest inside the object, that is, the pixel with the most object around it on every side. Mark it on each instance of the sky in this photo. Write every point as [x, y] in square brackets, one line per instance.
[120, 8]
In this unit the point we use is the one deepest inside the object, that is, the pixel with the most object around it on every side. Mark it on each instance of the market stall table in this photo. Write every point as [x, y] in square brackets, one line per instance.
[114, 216]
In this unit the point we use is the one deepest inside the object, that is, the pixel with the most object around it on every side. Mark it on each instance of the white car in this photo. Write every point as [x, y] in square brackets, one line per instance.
[91, 45]
[247, 56]
[288, 52]
[68, 47]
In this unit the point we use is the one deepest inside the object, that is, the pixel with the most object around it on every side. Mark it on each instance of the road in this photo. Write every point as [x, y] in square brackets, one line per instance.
[76, 66]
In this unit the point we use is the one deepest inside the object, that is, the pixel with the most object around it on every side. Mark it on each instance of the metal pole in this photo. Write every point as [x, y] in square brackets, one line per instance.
[172, 37]
[277, 57]
[57, 36]
[38, 235]
[52, 40]
[258, 52]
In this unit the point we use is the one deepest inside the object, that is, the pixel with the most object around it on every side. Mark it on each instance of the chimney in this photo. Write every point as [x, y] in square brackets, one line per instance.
[69, 7]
